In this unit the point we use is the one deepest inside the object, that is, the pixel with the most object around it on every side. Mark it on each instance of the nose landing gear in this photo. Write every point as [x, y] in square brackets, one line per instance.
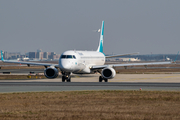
[66, 77]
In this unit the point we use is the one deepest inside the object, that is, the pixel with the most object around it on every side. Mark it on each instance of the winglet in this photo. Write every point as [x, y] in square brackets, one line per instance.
[2, 56]
[176, 57]
[100, 47]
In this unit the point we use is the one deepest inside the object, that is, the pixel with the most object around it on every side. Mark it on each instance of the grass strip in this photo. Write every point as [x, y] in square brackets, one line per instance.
[91, 105]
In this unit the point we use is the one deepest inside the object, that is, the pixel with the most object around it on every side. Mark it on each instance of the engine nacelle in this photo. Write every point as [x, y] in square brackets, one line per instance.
[108, 73]
[51, 72]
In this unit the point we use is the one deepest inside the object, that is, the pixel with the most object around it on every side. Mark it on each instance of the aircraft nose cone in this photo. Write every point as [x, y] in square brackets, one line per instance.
[64, 65]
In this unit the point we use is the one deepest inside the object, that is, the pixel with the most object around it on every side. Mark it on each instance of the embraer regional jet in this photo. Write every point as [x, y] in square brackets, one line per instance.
[83, 62]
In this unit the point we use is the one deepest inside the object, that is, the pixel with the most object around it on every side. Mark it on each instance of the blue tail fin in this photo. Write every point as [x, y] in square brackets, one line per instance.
[2, 56]
[176, 56]
[100, 47]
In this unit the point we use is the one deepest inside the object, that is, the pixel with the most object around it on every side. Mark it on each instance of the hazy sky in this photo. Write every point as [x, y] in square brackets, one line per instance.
[143, 26]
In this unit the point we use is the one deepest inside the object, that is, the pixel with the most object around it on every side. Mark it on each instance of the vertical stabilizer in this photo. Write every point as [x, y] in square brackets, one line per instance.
[2, 56]
[100, 47]
[176, 56]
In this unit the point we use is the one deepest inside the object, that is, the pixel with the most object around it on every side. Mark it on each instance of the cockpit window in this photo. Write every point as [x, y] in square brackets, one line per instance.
[68, 57]
[74, 57]
[63, 56]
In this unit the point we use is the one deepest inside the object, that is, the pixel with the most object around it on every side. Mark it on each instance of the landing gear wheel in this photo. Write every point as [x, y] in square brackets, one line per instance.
[100, 78]
[66, 76]
[69, 79]
[105, 80]
[63, 79]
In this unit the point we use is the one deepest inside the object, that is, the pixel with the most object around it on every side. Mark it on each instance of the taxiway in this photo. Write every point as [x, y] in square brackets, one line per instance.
[160, 82]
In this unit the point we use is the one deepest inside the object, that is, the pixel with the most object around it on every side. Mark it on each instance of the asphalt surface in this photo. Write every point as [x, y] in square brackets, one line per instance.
[79, 86]
[148, 82]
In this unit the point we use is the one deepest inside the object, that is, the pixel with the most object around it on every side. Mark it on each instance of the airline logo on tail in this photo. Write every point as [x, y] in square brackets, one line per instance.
[2, 56]
[100, 47]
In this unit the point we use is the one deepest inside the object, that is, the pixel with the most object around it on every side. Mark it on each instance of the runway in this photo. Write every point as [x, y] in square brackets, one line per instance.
[79, 86]
[148, 82]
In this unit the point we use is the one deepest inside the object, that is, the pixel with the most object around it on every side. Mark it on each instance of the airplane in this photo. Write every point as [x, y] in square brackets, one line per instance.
[84, 62]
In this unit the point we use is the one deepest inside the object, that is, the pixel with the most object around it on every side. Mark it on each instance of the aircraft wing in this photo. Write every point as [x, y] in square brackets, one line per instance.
[118, 55]
[129, 64]
[31, 63]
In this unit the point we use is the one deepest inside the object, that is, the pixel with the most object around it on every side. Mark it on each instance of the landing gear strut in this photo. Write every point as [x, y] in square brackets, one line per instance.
[101, 79]
[66, 77]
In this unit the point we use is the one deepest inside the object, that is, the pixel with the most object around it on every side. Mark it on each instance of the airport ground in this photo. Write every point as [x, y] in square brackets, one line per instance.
[23, 70]
[148, 103]
[163, 75]
[91, 105]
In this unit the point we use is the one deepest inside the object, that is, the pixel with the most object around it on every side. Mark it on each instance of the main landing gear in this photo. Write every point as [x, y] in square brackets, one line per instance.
[66, 77]
[101, 79]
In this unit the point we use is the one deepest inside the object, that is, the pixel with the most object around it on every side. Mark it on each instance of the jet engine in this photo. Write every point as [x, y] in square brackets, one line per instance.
[51, 72]
[108, 73]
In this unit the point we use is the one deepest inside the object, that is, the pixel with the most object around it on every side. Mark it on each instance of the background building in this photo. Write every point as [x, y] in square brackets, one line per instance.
[45, 55]
[11, 55]
[32, 55]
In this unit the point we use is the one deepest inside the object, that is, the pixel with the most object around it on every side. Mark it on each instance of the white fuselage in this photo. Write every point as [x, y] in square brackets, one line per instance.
[80, 61]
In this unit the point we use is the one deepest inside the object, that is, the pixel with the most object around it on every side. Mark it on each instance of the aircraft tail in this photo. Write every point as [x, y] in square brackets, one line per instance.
[100, 47]
[2, 56]
[176, 56]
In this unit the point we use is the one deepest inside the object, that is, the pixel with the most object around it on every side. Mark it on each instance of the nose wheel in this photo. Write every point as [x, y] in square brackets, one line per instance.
[66, 77]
